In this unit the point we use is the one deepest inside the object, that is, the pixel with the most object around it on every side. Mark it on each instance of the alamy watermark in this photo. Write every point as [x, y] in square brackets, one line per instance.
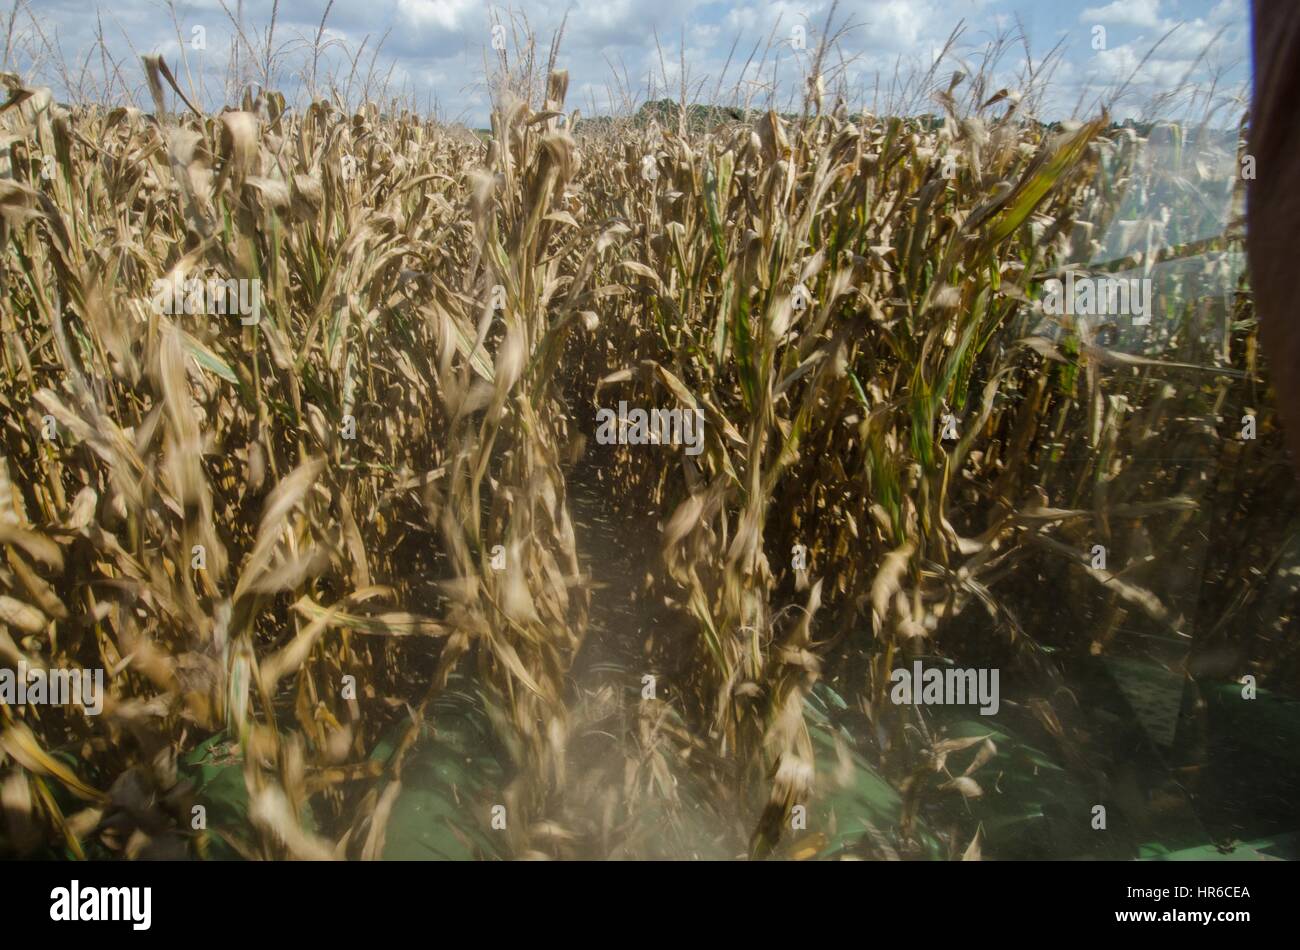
[212, 296]
[946, 686]
[30, 685]
[655, 427]
[1083, 295]
[133, 904]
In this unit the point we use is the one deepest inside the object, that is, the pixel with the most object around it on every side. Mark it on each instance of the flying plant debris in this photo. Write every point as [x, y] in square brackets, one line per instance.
[364, 579]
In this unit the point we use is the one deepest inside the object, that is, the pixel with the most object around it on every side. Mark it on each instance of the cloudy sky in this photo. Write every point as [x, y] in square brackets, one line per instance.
[434, 52]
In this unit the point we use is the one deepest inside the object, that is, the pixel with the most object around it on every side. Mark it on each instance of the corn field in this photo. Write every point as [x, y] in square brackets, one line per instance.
[364, 583]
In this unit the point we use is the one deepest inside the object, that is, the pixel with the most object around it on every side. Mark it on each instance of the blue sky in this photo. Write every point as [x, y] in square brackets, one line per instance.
[435, 50]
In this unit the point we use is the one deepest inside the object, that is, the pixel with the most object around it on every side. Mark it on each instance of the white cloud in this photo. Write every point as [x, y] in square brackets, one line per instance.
[437, 47]
[1139, 13]
[1229, 11]
[441, 14]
